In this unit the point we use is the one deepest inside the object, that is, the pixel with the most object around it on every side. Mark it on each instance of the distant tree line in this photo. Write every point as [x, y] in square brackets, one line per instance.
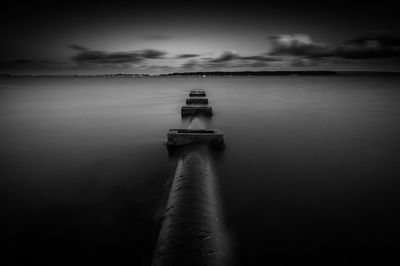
[221, 74]
[253, 73]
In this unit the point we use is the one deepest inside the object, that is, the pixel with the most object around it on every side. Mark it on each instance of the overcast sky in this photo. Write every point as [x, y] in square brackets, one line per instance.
[115, 37]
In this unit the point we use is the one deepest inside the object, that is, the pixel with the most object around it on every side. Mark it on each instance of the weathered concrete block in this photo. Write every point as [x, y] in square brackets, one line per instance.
[196, 100]
[197, 93]
[196, 110]
[180, 137]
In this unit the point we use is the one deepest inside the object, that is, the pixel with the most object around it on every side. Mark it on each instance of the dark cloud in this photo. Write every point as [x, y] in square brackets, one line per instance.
[287, 50]
[260, 58]
[152, 54]
[225, 57]
[230, 60]
[101, 57]
[183, 56]
[370, 47]
[87, 56]
[385, 40]
[298, 45]
[192, 64]
[138, 58]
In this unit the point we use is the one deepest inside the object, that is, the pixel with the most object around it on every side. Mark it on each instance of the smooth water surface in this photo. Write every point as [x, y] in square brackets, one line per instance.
[309, 174]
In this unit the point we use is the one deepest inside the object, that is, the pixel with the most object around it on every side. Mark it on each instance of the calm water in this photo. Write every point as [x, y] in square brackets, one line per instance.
[310, 174]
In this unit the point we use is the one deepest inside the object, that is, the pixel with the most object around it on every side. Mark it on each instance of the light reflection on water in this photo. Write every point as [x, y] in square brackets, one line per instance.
[309, 171]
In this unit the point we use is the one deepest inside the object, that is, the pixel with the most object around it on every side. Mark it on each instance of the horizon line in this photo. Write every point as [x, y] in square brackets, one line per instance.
[237, 73]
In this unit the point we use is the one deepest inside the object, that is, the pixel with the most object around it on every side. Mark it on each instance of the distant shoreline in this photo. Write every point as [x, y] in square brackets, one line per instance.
[223, 74]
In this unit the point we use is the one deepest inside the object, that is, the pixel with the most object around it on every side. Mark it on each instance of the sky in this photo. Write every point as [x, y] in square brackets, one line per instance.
[152, 37]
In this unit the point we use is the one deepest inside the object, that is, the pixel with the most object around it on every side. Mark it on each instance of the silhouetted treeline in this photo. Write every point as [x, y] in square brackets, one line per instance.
[118, 75]
[252, 73]
[221, 74]
[281, 73]
[369, 73]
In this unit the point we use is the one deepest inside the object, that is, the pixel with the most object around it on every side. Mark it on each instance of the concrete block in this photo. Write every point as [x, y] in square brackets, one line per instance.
[196, 110]
[197, 93]
[210, 137]
[197, 100]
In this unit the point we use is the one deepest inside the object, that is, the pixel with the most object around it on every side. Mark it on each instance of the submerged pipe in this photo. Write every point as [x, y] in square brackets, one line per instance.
[191, 232]
[195, 123]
